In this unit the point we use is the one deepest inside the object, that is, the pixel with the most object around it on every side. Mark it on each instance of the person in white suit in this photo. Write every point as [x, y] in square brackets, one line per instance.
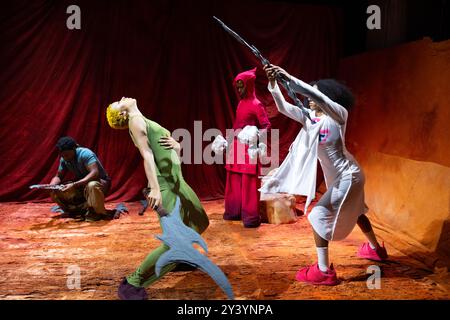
[342, 206]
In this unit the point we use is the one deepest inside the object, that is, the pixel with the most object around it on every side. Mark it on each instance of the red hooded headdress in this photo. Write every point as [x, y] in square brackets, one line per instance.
[248, 78]
[249, 112]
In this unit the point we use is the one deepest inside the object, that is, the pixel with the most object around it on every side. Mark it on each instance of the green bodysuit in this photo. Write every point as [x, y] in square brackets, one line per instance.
[172, 184]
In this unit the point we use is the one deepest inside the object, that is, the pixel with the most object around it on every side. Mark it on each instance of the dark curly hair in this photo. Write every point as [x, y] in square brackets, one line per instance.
[66, 143]
[336, 91]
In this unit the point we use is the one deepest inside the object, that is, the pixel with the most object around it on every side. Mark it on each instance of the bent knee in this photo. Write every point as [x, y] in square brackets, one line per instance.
[93, 184]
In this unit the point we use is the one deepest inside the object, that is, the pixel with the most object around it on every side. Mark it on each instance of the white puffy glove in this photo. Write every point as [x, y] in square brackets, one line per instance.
[252, 152]
[219, 144]
[248, 135]
[262, 149]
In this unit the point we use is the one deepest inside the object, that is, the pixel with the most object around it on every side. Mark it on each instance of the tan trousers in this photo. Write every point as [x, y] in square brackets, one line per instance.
[80, 199]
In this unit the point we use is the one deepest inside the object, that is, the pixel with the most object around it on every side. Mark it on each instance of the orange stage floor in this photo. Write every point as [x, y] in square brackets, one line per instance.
[39, 248]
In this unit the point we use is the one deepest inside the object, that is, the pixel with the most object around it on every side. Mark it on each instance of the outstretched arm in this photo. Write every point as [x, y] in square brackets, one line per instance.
[331, 108]
[283, 106]
[139, 131]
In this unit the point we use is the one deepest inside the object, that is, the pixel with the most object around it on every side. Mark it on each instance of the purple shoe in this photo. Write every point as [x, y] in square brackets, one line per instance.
[378, 254]
[129, 292]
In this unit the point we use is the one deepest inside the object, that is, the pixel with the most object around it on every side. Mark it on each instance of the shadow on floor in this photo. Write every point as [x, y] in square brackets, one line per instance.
[63, 223]
[395, 267]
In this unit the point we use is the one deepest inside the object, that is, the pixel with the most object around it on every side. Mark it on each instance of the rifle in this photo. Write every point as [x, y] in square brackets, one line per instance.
[264, 61]
[47, 186]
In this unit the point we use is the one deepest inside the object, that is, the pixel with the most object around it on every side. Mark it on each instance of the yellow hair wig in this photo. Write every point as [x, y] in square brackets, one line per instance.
[115, 119]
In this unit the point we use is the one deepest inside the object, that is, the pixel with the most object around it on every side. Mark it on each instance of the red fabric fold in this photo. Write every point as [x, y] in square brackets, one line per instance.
[169, 55]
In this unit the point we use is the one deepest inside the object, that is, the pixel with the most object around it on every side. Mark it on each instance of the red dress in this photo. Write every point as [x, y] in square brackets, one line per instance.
[241, 191]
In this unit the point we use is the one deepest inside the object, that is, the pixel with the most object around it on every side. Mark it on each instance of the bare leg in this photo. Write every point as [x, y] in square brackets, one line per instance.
[364, 224]
[366, 227]
[320, 242]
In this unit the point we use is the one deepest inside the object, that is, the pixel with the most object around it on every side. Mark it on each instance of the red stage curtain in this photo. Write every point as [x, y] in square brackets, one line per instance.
[170, 55]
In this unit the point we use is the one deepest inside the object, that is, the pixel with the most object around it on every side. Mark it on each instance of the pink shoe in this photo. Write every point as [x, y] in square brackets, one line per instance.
[313, 275]
[378, 254]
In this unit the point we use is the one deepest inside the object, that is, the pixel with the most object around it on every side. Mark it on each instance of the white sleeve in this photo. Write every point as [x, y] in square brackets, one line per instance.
[328, 106]
[286, 108]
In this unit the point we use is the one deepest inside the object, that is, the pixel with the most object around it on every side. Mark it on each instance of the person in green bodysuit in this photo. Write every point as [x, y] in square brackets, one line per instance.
[165, 181]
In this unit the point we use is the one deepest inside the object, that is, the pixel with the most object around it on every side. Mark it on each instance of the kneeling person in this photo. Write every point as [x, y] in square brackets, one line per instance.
[87, 192]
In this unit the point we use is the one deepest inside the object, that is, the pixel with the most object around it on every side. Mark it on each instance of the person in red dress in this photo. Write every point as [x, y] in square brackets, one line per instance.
[242, 184]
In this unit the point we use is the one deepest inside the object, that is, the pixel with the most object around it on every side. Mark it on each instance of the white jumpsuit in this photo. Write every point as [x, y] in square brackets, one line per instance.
[336, 213]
